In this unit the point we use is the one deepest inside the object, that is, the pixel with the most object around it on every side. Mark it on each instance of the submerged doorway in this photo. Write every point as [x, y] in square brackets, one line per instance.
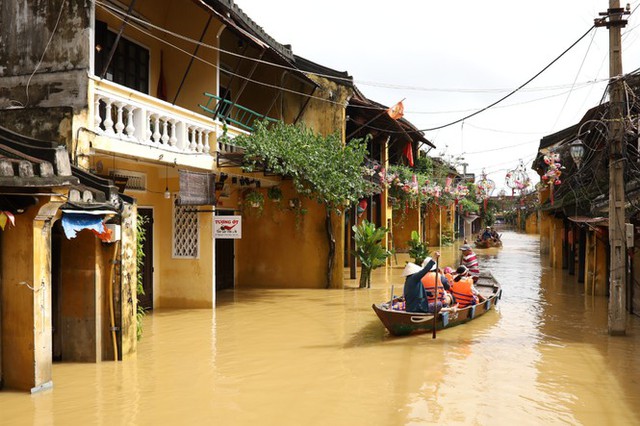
[146, 300]
[225, 255]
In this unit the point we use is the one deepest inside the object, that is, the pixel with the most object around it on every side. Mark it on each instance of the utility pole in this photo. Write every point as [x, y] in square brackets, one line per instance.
[612, 19]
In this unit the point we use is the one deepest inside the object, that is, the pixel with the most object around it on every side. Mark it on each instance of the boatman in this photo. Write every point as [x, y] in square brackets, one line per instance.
[470, 260]
[415, 295]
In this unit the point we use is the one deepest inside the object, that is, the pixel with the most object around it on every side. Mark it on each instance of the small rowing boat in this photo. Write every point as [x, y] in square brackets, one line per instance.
[488, 243]
[401, 323]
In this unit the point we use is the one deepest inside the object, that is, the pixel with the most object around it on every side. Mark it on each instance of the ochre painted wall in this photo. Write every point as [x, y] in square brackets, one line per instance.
[26, 299]
[275, 252]
[557, 238]
[18, 304]
[531, 223]
[403, 224]
[596, 263]
[178, 282]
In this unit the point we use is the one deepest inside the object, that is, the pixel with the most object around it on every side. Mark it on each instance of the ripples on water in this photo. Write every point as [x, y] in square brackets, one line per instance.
[317, 357]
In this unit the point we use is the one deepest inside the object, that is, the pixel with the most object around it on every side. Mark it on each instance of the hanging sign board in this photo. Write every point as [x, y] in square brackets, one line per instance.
[227, 227]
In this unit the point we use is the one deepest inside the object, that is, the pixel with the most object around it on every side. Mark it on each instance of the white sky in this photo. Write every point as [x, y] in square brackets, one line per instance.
[449, 59]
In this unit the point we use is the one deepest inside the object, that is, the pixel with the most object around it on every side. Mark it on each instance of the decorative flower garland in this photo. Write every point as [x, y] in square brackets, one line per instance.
[552, 176]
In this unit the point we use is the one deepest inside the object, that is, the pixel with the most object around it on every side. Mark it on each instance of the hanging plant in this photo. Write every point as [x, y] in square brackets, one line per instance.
[254, 200]
[295, 205]
[274, 193]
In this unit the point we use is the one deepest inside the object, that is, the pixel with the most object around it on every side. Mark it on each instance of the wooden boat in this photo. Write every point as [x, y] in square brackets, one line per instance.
[401, 323]
[488, 243]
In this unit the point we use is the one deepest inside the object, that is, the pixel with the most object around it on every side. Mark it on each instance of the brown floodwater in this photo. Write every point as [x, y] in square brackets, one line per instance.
[320, 357]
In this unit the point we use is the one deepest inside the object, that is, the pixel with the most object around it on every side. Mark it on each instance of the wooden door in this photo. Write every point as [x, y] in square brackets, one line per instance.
[225, 255]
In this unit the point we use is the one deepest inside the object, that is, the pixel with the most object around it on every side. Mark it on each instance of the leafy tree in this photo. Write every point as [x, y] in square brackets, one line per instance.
[369, 249]
[321, 167]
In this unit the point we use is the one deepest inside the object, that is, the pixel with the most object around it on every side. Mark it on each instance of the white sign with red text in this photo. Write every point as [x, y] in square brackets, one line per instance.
[227, 227]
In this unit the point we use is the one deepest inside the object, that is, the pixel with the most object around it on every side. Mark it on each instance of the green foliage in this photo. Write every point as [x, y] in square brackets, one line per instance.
[253, 201]
[418, 250]
[274, 193]
[321, 167]
[369, 250]
[447, 237]
[469, 206]
[141, 236]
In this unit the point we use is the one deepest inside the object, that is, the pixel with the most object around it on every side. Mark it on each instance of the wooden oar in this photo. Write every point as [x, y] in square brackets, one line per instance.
[435, 301]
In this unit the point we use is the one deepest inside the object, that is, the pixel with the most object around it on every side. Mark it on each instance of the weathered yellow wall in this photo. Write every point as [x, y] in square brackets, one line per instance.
[531, 224]
[178, 283]
[557, 232]
[403, 224]
[274, 252]
[26, 299]
[18, 305]
[596, 262]
[435, 216]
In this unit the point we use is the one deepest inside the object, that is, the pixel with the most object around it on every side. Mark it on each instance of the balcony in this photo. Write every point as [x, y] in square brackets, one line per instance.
[128, 122]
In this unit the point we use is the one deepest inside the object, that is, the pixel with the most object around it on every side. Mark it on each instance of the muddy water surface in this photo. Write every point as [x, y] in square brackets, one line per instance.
[320, 357]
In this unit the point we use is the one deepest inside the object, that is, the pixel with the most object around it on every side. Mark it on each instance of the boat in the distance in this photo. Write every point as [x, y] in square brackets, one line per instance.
[402, 323]
[488, 243]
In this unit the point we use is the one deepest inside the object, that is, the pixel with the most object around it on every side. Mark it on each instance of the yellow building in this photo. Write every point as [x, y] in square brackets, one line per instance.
[142, 98]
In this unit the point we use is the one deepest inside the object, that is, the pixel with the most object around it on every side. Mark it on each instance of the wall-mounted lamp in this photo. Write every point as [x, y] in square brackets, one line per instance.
[167, 194]
[576, 149]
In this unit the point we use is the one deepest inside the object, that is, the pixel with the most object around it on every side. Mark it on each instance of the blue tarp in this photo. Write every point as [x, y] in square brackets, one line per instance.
[72, 223]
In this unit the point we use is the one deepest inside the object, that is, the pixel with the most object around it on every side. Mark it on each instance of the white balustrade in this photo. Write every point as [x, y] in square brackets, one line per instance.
[135, 118]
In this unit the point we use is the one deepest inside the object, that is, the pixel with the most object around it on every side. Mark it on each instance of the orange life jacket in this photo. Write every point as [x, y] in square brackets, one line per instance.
[429, 281]
[463, 293]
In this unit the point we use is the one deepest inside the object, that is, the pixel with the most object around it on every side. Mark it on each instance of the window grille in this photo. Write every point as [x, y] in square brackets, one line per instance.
[185, 232]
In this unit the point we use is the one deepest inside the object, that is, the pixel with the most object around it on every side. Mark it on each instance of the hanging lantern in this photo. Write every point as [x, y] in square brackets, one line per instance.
[484, 188]
[518, 179]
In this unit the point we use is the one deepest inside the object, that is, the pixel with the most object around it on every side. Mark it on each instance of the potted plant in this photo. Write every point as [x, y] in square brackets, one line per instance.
[274, 193]
[254, 199]
[418, 250]
[369, 249]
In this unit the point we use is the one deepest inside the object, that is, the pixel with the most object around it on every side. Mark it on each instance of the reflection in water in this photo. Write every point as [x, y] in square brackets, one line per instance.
[319, 357]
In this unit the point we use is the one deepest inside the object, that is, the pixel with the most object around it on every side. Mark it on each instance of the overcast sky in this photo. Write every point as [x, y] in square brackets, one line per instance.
[450, 59]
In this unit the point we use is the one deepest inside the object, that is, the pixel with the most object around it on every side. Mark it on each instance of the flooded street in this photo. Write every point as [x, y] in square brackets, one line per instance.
[317, 357]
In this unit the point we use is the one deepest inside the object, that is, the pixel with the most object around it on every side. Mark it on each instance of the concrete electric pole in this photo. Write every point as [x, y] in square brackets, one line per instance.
[613, 20]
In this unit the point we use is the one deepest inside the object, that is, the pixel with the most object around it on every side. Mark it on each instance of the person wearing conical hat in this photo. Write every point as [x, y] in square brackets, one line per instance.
[414, 293]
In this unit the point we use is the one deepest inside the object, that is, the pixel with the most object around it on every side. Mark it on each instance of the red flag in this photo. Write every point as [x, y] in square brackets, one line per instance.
[408, 152]
[397, 111]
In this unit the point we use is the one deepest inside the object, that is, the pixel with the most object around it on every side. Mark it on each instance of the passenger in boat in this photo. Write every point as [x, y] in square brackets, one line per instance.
[414, 293]
[463, 289]
[470, 260]
[495, 235]
[429, 280]
[486, 235]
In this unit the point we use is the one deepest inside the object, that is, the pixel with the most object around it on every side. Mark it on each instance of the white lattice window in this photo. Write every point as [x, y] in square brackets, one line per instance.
[185, 232]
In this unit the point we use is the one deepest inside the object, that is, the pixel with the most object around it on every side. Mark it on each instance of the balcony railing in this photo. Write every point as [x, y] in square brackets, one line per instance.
[121, 113]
